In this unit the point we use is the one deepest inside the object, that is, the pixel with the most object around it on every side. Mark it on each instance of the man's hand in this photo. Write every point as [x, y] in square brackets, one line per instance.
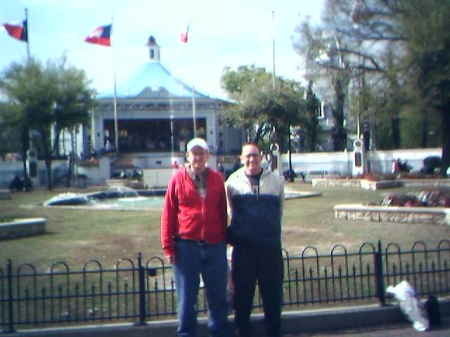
[170, 259]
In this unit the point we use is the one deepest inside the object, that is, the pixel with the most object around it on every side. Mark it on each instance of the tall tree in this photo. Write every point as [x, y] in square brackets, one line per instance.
[326, 63]
[34, 92]
[37, 90]
[75, 99]
[241, 85]
[427, 26]
[265, 112]
[14, 136]
[312, 112]
[413, 80]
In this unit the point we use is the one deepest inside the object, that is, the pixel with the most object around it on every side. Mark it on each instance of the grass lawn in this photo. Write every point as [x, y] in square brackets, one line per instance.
[75, 236]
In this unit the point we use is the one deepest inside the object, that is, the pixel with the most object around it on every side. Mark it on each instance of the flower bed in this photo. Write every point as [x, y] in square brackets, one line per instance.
[424, 198]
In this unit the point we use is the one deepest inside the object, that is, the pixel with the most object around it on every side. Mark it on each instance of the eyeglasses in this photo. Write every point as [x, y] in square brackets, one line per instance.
[252, 155]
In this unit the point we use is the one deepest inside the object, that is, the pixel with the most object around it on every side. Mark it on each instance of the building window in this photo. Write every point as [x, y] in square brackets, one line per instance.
[320, 110]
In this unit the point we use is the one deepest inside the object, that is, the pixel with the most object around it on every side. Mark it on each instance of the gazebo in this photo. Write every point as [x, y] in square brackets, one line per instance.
[154, 114]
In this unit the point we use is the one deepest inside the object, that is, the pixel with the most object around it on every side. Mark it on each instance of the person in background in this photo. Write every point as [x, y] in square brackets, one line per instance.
[395, 168]
[255, 199]
[237, 164]
[221, 169]
[193, 238]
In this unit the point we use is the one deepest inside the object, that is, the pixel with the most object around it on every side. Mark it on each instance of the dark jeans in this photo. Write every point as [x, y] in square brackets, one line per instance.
[262, 263]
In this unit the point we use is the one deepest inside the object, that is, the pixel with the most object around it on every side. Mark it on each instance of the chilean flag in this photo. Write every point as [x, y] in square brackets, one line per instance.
[100, 36]
[18, 32]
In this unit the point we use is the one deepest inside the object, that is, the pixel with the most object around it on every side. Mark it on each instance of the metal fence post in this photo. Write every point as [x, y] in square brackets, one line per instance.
[10, 297]
[379, 275]
[141, 274]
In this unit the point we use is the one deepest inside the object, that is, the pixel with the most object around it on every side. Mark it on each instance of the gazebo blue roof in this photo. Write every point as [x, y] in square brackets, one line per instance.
[152, 81]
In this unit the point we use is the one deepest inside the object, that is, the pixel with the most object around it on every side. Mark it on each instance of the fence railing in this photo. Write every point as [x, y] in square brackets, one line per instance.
[137, 291]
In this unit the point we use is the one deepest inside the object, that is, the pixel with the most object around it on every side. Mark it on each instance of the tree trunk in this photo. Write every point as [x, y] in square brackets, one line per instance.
[25, 145]
[395, 124]
[55, 145]
[339, 135]
[424, 133]
[47, 149]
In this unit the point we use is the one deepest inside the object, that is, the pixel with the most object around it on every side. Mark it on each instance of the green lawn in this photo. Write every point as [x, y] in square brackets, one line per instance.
[75, 236]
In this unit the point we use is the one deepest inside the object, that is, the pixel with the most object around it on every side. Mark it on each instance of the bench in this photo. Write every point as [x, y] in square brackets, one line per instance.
[22, 227]
[5, 195]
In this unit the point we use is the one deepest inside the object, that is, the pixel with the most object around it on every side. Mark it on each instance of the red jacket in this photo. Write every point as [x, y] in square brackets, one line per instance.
[187, 215]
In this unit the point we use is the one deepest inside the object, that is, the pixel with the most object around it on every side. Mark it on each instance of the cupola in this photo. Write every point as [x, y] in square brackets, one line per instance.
[153, 49]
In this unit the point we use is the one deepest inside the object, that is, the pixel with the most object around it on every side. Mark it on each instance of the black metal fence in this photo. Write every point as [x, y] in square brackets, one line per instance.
[137, 291]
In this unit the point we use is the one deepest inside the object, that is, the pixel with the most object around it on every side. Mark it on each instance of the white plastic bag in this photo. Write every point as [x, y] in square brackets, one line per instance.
[410, 305]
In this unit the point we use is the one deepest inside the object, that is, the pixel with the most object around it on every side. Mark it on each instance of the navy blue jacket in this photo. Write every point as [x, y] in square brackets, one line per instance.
[255, 217]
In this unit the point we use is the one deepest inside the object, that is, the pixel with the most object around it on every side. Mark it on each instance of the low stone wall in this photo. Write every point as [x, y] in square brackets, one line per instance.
[426, 182]
[22, 227]
[136, 184]
[376, 185]
[336, 182]
[433, 215]
[5, 195]
[157, 177]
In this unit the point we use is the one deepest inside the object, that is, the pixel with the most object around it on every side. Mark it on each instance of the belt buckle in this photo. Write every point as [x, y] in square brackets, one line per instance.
[201, 242]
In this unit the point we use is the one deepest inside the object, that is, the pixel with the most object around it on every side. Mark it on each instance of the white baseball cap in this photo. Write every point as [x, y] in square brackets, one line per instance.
[197, 142]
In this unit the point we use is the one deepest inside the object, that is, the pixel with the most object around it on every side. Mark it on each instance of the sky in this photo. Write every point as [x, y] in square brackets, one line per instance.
[221, 33]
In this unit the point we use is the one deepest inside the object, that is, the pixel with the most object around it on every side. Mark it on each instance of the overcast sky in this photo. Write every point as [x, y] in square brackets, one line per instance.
[222, 33]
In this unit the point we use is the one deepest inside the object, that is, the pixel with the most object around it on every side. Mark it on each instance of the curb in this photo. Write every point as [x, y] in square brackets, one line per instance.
[294, 322]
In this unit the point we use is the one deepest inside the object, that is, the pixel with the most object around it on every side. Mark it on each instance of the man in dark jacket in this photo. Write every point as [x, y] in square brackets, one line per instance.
[255, 199]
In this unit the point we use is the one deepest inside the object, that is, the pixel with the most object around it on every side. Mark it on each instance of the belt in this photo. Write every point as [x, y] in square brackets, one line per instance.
[199, 242]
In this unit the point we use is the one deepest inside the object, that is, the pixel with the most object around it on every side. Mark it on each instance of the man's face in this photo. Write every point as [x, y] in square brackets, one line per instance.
[251, 158]
[198, 157]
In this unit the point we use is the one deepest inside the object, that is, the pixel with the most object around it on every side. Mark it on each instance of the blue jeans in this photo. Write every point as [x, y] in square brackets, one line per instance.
[209, 261]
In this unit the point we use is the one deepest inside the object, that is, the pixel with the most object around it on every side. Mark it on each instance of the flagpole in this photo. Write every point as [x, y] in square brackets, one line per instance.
[273, 49]
[28, 37]
[27, 173]
[116, 126]
[194, 119]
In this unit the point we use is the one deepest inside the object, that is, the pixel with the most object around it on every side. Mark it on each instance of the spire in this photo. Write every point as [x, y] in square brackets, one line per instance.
[153, 49]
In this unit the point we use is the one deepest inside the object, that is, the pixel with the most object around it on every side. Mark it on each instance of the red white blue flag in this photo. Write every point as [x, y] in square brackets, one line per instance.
[18, 32]
[100, 36]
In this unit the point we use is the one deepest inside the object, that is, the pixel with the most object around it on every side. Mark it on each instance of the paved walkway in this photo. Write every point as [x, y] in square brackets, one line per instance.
[369, 321]
[389, 330]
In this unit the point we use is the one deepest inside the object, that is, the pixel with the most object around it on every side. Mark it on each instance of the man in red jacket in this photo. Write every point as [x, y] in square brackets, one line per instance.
[193, 238]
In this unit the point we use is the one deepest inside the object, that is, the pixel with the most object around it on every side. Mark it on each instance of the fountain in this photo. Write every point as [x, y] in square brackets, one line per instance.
[115, 197]
[68, 198]
[126, 198]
